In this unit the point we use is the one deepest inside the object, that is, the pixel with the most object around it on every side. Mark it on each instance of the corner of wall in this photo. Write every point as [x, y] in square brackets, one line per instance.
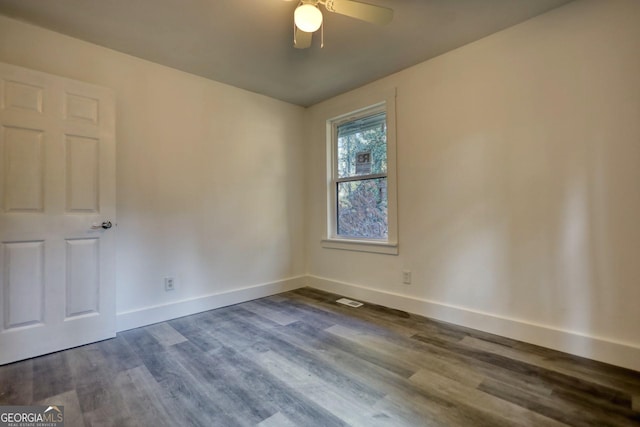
[163, 312]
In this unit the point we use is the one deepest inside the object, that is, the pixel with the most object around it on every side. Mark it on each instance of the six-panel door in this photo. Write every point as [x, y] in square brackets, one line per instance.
[57, 186]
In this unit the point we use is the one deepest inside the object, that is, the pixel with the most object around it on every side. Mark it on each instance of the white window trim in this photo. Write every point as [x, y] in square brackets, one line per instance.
[383, 102]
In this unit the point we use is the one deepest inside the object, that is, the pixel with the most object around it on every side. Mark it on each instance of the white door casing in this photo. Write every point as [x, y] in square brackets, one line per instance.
[57, 186]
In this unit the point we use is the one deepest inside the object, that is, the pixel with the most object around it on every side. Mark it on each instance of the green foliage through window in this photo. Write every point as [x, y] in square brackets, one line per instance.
[361, 152]
[362, 209]
[363, 135]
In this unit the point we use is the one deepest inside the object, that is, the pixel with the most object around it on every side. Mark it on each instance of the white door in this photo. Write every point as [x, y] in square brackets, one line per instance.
[57, 187]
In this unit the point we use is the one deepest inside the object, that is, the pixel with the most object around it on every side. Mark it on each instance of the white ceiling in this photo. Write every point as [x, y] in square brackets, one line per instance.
[249, 43]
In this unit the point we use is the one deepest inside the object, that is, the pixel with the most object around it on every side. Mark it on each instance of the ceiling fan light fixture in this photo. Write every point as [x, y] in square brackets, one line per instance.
[308, 18]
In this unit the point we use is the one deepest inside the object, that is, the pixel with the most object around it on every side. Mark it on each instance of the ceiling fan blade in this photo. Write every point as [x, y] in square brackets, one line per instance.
[363, 11]
[302, 39]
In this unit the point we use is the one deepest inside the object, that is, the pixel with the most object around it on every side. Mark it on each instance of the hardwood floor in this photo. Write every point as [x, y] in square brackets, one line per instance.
[300, 359]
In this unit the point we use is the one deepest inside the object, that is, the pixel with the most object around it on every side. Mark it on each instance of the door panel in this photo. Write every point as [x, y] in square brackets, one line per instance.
[82, 174]
[81, 108]
[57, 180]
[83, 276]
[24, 284]
[22, 96]
[23, 169]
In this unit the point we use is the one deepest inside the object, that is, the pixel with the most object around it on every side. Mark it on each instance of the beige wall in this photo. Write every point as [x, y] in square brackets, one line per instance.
[209, 177]
[519, 181]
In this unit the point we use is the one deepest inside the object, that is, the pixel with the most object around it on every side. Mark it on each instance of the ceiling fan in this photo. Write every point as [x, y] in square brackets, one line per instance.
[307, 17]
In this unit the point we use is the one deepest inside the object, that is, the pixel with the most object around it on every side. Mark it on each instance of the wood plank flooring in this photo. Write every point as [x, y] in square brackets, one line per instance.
[300, 359]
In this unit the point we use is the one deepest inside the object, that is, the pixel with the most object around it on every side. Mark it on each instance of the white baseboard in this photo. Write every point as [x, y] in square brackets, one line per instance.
[602, 349]
[160, 313]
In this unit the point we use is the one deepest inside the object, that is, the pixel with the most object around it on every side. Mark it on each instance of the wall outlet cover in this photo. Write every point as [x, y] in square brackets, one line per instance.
[406, 277]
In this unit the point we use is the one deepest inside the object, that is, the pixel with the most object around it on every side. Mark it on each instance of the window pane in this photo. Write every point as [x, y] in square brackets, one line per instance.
[362, 146]
[362, 209]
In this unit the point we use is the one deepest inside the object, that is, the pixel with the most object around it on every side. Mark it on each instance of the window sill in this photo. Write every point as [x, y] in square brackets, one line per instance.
[361, 246]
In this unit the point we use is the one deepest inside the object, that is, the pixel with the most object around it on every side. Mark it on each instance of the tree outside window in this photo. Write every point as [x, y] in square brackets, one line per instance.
[361, 181]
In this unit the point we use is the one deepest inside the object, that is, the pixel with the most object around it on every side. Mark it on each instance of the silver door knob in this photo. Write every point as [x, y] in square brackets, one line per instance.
[105, 225]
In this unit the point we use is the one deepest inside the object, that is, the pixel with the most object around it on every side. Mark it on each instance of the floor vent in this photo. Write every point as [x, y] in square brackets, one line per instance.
[349, 302]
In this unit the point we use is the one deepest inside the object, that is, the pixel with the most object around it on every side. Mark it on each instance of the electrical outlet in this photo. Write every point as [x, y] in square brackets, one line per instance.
[406, 277]
[169, 284]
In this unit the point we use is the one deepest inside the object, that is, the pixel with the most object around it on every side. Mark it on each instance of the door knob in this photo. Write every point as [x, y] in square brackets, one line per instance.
[106, 225]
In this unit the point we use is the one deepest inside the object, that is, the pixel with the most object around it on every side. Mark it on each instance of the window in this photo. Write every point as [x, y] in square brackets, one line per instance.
[361, 181]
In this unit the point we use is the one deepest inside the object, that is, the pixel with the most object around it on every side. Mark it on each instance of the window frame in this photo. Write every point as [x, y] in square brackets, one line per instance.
[331, 239]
